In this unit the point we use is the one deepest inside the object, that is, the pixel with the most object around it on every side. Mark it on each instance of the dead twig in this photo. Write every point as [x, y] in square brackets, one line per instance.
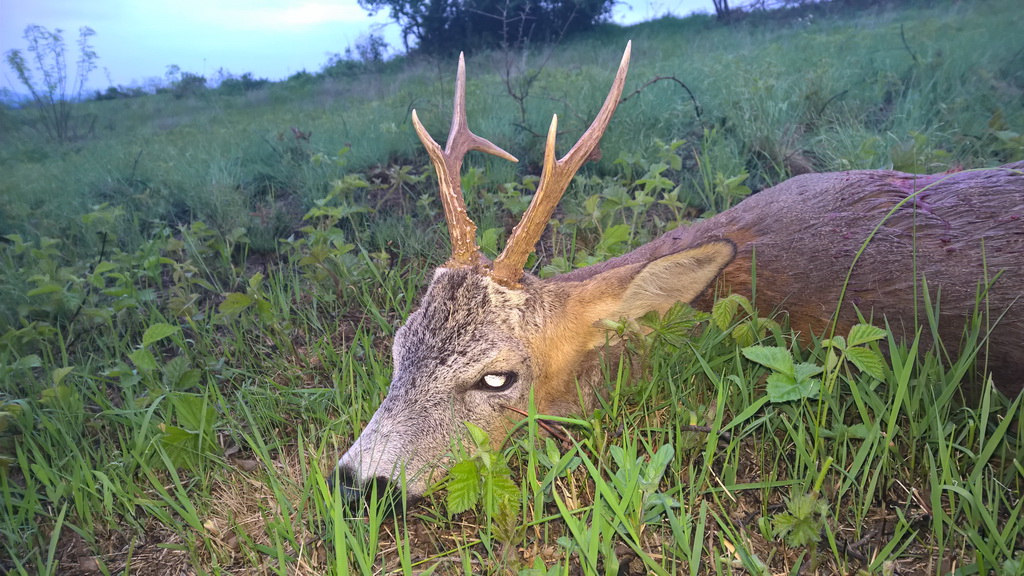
[706, 430]
[656, 79]
[135, 165]
[529, 131]
[770, 508]
[852, 549]
[88, 285]
[907, 46]
[830, 100]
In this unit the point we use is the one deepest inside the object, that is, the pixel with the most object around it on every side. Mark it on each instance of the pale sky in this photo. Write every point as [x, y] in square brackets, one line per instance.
[137, 40]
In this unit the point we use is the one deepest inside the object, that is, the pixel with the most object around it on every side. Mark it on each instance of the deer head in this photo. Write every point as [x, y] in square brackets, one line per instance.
[487, 334]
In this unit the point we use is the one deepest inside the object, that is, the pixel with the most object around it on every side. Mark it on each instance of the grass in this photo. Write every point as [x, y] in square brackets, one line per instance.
[196, 310]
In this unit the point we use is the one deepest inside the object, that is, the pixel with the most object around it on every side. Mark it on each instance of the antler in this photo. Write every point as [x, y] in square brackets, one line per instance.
[554, 179]
[448, 164]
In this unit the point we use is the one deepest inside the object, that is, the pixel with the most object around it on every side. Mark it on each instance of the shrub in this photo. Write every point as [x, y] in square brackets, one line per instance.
[119, 93]
[241, 84]
[183, 84]
[47, 56]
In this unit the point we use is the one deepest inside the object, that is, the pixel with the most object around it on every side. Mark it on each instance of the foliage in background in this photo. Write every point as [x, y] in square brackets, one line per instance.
[444, 27]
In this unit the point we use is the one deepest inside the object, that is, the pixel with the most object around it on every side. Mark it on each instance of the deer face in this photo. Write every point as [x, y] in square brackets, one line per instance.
[462, 357]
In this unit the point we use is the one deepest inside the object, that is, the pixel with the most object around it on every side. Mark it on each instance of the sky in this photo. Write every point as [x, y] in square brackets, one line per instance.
[137, 40]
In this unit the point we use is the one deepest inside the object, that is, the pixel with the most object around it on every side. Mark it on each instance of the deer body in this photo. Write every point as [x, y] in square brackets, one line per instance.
[954, 231]
[488, 335]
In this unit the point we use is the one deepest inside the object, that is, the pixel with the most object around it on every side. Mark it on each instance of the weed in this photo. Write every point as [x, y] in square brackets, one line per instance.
[55, 105]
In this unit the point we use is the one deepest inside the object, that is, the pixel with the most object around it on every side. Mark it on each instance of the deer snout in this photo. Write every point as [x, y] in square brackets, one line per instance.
[344, 480]
[379, 464]
[355, 491]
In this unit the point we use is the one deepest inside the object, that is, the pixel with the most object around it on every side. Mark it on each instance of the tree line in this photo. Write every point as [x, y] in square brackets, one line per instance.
[446, 26]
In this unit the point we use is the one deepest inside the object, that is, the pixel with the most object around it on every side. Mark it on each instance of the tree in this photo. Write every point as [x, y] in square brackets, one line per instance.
[53, 96]
[722, 10]
[445, 26]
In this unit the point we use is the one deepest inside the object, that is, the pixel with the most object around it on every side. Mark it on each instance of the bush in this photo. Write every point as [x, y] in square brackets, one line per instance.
[183, 84]
[241, 84]
[301, 78]
[47, 56]
[370, 52]
[119, 93]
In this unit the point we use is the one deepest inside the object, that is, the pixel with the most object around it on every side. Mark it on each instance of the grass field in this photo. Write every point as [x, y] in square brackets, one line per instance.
[197, 305]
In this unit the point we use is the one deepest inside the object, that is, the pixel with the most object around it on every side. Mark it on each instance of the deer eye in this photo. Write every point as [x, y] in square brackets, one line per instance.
[498, 380]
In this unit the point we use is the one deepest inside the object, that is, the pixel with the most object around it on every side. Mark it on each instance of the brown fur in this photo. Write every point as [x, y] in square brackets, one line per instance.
[800, 239]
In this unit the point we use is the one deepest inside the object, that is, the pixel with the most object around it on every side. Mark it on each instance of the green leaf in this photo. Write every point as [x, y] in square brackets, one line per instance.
[612, 237]
[265, 311]
[865, 333]
[785, 388]
[723, 312]
[778, 359]
[805, 370]
[143, 360]
[182, 446]
[618, 456]
[837, 342]
[655, 469]
[193, 412]
[188, 380]
[503, 490]
[868, 361]
[58, 396]
[256, 280]
[30, 361]
[234, 303]
[551, 451]
[488, 241]
[803, 525]
[173, 369]
[480, 438]
[103, 267]
[782, 388]
[858, 431]
[45, 289]
[831, 360]
[158, 332]
[743, 333]
[782, 524]
[58, 374]
[463, 487]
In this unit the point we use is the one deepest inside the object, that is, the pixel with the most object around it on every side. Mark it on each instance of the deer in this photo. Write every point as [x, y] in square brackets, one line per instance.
[488, 336]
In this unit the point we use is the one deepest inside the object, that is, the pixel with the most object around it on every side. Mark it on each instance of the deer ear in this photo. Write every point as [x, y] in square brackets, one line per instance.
[633, 290]
[627, 290]
[679, 277]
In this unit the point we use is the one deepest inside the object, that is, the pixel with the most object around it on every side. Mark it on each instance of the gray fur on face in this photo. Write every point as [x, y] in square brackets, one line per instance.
[467, 326]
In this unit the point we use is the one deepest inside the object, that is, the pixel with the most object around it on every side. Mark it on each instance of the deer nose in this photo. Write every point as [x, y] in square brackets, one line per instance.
[344, 480]
[356, 494]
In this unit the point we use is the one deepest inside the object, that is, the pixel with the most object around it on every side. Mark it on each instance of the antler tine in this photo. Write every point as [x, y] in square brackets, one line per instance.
[448, 164]
[554, 179]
